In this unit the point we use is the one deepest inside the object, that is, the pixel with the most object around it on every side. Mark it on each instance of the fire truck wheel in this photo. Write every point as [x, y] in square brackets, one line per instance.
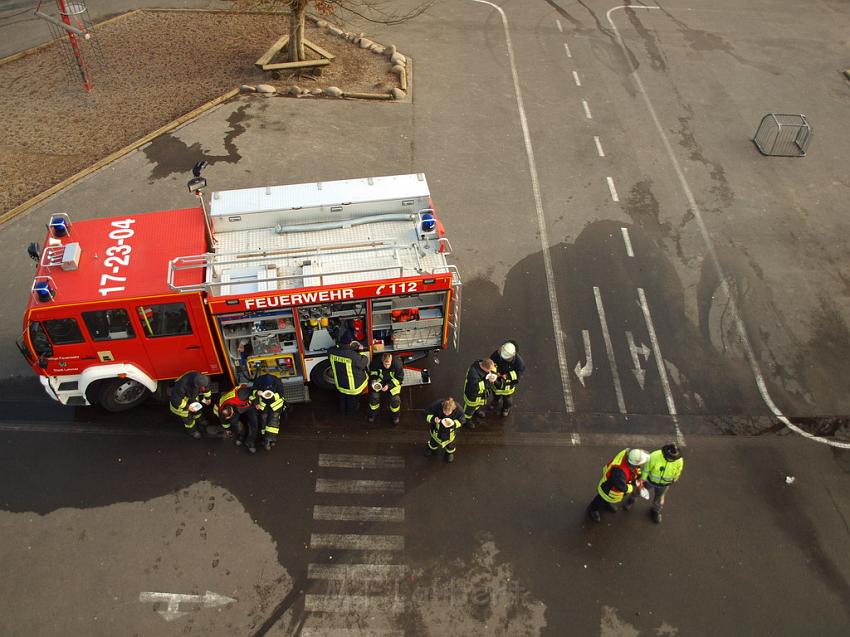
[322, 377]
[121, 394]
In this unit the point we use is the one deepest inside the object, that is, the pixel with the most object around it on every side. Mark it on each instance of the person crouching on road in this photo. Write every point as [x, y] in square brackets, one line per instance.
[235, 410]
[619, 478]
[445, 418]
[188, 396]
[267, 397]
[510, 368]
[479, 380]
[386, 375]
[349, 366]
[663, 468]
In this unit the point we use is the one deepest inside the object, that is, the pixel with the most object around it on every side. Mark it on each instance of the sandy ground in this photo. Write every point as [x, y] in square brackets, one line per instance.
[157, 66]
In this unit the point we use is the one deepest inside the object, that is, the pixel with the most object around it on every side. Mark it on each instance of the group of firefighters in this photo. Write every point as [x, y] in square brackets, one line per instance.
[253, 413]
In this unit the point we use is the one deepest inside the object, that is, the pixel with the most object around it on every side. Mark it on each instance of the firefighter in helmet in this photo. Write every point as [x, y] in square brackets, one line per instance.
[386, 375]
[349, 365]
[509, 368]
[271, 407]
[444, 417]
[188, 396]
[479, 383]
[619, 479]
[235, 410]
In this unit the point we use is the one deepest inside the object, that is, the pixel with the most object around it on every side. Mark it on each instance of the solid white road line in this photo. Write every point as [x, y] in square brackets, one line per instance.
[615, 374]
[350, 632]
[586, 109]
[326, 485]
[612, 189]
[599, 146]
[659, 362]
[567, 49]
[356, 572]
[351, 461]
[560, 28]
[560, 350]
[576, 78]
[356, 542]
[712, 253]
[353, 604]
[627, 240]
[358, 514]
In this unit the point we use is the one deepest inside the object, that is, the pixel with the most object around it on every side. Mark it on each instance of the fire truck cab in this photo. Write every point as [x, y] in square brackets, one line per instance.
[264, 281]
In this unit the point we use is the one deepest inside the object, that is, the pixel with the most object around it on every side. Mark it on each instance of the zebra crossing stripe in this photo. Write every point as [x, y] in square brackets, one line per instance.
[357, 542]
[351, 461]
[358, 513]
[351, 632]
[326, 485]
[356, 572]
[352, 603]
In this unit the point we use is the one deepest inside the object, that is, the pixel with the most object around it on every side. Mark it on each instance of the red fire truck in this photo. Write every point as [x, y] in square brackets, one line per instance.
[261, 280]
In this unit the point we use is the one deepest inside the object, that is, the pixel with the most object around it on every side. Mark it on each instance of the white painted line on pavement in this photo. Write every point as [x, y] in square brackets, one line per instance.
[575, 439]
[627, 240]
[353, 604]
[709, 244]
[326, 485]
[560, 28]
[356, 572]
[351, 461]
[576, 78]
[615, 374]
[612, 189]
[563, 366]
[567, 49]
[350, 632]
[599, 146]
[586, 109]
[357, 542]
[358, 514]
[659, 362]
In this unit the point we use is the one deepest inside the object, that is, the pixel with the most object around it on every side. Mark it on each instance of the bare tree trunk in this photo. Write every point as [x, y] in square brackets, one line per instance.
[295, 48]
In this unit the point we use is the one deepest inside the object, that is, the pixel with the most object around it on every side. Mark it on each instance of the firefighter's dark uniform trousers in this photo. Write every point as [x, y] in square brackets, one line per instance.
[349, 370]
[391, 377]
[504, 388]
[188, 389]
[475, 389]
[442, 437]
[235, 410]
[270, 411]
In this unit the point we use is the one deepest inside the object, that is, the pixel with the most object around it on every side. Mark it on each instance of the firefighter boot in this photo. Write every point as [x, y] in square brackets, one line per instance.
[629, 503]
[450, 457]
[252, 450]
[395, 419]
[268, 445]
[656, 515]
[195, 434]
[594, 515]
[428, 451]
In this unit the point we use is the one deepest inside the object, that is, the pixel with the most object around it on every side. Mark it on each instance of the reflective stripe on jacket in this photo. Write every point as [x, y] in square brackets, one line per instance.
[612, 487]
[392, 376]
[475, 385]
[661, 472]
[349, 370]
[514, 369]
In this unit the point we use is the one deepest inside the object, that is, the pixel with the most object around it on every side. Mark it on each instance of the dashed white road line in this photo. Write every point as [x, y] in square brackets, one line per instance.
[709, 244]
[560, 349]
[628, 241]
[659, 362]
[612, 189]
[358, 513]
[609, 348]
[599, 150]
[586, 109]
[560, 28]
[357, 542]
[567, 49]
[576, 78]
[326, 485]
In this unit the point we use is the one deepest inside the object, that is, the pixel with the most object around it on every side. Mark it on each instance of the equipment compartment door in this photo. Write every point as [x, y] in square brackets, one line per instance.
[176, 336]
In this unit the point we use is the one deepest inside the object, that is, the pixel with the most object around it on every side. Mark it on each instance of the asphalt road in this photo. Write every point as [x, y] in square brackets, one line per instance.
[706, 282]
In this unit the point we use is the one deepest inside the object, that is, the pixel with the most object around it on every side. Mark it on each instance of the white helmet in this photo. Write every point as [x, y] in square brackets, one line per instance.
[507, 351]
[638, 457]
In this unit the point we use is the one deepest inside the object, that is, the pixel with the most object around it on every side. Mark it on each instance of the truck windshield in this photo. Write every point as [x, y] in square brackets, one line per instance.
[39, 340]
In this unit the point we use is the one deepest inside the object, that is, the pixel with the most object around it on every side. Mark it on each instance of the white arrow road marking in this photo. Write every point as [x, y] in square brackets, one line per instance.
[587, 370]
[172, 612]
[609, 348]
[637, 352]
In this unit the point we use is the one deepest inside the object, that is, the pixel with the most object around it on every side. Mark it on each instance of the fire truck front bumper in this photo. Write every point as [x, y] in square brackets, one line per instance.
[64, 389]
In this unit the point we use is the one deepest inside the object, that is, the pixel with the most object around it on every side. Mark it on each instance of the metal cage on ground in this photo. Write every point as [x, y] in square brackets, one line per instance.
[783, 135]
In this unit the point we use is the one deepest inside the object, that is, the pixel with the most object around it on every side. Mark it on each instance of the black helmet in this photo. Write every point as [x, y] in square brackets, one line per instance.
[671, 452]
